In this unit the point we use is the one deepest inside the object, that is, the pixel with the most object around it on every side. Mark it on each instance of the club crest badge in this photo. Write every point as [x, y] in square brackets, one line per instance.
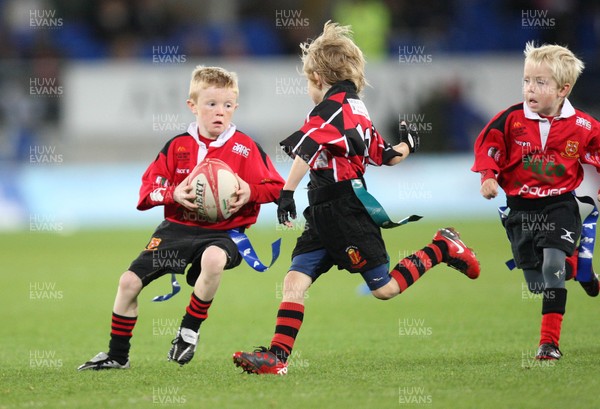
[355, 258]
[571, 150]
[153, 245]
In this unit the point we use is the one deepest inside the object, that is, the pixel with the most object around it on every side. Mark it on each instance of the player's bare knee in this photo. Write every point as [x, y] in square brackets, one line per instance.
[214, 260]
[383, 294]
[387, 291]
[295, 286]
[130, 282]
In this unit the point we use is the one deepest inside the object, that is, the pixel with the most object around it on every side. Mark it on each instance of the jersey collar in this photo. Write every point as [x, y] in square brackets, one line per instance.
[217, 143]
[566, 111]
[341, 86]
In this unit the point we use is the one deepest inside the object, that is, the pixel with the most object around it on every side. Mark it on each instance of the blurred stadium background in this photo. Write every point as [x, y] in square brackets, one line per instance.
[91, 90]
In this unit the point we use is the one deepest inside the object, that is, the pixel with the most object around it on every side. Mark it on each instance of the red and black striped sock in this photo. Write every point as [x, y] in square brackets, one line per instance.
[289, 321]
[195, 313]
[411, 268]
[120, 334]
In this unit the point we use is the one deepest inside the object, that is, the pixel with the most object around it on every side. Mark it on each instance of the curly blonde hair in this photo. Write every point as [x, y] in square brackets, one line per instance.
[334, 56]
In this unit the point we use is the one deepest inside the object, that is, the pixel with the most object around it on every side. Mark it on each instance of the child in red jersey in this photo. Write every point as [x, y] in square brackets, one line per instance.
[336, 144]
[206, 246]
[534, 151]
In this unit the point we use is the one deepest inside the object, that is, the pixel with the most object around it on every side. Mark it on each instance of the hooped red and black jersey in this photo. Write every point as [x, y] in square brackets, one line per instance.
[338, 139]
[532, 156]
[180, 156]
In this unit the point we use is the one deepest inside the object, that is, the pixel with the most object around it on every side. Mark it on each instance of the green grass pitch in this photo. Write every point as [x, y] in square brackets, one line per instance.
[448, 342]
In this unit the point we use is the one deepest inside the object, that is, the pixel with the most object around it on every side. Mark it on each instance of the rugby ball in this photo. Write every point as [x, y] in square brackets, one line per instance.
[214, 184]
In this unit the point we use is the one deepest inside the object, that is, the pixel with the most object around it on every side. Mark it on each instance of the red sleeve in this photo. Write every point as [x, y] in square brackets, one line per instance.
[490, 150]
[264, 180]
[380, 151]
[592, 149]
[257, 170]
[157, 185]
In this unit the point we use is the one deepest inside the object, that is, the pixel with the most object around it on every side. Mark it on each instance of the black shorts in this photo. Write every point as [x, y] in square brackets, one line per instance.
[337, 221]
[534, 227]
[173, 247]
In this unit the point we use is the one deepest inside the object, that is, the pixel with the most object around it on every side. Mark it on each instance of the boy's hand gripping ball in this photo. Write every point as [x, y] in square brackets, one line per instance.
[214, 184]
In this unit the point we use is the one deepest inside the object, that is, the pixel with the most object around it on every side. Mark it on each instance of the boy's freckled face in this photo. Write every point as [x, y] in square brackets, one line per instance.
[213, 109]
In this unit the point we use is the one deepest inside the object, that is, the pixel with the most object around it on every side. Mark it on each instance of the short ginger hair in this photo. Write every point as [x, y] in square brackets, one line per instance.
[204, 77]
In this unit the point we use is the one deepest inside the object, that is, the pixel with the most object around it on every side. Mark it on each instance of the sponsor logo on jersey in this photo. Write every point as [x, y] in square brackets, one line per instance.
[582, 122]
[182, 171]
[182, 153]
[571, 150]
[190, 216]
[241, 149]
[358, 107]
[522, 143]
[182, 156]
[543, 170]
[539, 191]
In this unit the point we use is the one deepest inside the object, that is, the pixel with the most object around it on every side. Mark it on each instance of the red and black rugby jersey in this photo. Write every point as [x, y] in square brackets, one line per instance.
[338, 139]
[182, 153]
[532, 156]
